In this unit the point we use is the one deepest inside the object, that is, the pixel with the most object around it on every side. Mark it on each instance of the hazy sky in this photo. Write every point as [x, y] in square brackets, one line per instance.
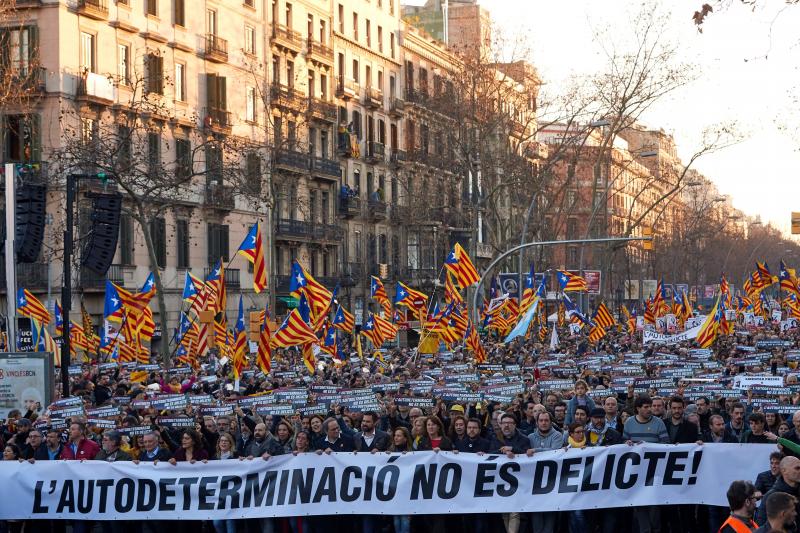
[748, 71]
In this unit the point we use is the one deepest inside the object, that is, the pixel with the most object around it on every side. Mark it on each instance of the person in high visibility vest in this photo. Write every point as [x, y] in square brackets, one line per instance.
[742, 499]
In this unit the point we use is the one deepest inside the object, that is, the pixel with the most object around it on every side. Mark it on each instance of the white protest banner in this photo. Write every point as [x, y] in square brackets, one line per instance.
[776, 315]
[392, 484]
[660, 338]
[695, 321]
[749, 319]
[745, 382]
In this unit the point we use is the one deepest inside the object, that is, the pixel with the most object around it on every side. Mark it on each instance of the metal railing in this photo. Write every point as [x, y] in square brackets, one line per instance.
[220, 196]
[91, 280]
[216, 45]
[328, 167]
[292, 159]
[232, 277]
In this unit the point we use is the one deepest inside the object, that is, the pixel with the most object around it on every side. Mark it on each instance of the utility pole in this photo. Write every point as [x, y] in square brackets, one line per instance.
[11, 258]
[66, 286]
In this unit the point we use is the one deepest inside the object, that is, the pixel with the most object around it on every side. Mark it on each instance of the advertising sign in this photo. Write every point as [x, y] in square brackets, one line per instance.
[632, 289]
[592, 278]
[25, 380]
[649, 287]
[509, 282]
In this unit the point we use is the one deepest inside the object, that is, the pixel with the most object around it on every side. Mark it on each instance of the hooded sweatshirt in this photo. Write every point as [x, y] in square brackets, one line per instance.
[552, 440]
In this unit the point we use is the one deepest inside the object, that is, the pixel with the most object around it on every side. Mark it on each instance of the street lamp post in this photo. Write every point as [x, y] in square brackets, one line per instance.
[515, 249]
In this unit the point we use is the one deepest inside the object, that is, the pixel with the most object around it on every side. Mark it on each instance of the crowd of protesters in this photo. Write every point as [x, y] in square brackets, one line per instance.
[592, 411]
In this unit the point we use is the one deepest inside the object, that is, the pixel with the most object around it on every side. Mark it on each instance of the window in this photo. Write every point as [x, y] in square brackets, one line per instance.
[180, 82]
[325, 207]
[572, 254]
[380, 80]
[323, 32]
[151, 7]
[310, 27]
[123, 145]
[291, 133]
[182, 243]
[276, 69]
[380, 39]
[216, 92]
[250, 3]
[125, 240]
[341, 19]
[218, 243]
[312, 205]
[211, 21]
[369, 33]
[183, 158]
[158, 234]
[20, 48]
[324, 141]
[213, 164]
[357, 124]
[153, 153]
[355, 26]
[123, 64]
[572, 228]
[356, 69]
[155, 73]
[250, 40]
[290, 73]
[88, 130]
[391, 7]
[391, 44]
[394, 190]
[179, 13]
[572, 197]
[88, 63]
[253, 163]
[323, 87]
[250, 112]
[288, 16]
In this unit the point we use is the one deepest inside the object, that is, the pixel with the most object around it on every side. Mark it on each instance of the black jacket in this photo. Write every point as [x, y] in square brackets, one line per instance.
[726, 439]
[687, 432]
[779, 486]
[162, 455]
[611, 437]
[468, 445]
[425, 444]
[519, 443]
[41, 453]
[380, 442]
[765, 481]
[342, 444]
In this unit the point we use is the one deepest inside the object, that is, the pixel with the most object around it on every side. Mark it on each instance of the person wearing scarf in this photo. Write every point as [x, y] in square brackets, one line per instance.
[577, 439]
[598, 432]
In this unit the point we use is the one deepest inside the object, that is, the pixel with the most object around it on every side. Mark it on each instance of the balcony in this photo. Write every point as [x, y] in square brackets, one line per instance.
[418, 155]
[518, 129]
[328, 232]
[94, 9]
[292, 161]
[326, 168]
[415, 96]
[322, 110]
[291, 229]
[319, 52]
[216, 48]
[216, 119]
[397, 108]
[287, 38]
[232, 279]
[373, 98]
[95, 88]
[282, 284]
[377, 210]
[92, 281]
[376, 152]
[350, 206]
[31, 276]
[397, 158]
[400, 214]
[351, 274]
[287, 97]
[346, 88]
[220, 197]
[29, 81]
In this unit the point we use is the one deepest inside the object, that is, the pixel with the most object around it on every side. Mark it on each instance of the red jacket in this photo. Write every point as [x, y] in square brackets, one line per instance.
[87, 449]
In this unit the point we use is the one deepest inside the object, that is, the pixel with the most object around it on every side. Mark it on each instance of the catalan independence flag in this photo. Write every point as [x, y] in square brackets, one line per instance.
[319, 298]
[293, 332]
[344, 320]
[710, 328]
[264, 355]
[571, 282]
[603, 317]
[405, 295]
[253, 249]
[378, 292]
[459, 263]
[29, 305]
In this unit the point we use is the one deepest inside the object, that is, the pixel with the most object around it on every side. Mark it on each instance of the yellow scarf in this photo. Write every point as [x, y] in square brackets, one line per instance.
[576, 444]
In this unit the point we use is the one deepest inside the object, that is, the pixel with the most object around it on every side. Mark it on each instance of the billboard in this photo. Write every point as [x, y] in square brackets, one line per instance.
[25, 379]
[632, 289]
[509, 282]
[649, 287]
[592, 278]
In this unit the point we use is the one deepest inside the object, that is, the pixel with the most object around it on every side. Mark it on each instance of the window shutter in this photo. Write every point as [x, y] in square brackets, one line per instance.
[33, 45]
[179, 13]
[222, 93]
[159, 74]
[224, 243]
[35, 129]
[211, 91]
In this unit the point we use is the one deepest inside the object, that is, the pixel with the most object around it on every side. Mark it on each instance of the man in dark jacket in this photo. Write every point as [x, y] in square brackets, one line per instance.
[473, 442]
[371, 438]
[765, 480]
[717, 432]
[263, 444]
[509, 440]
[788, 482]
[680, 431]
[598, 432]
[110, 451]
[757, 434]
[35, 448]
[152, 452]
[334, 441]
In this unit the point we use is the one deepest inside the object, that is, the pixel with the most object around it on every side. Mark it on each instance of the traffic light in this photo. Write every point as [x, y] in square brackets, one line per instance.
[102, 243]
[29, 222]
[647, 231]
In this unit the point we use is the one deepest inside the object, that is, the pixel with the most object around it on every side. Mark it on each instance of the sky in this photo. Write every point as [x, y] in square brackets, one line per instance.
[746, 66]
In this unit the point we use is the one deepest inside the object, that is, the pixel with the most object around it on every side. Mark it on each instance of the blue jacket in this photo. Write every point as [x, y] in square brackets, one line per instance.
[572, 404]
